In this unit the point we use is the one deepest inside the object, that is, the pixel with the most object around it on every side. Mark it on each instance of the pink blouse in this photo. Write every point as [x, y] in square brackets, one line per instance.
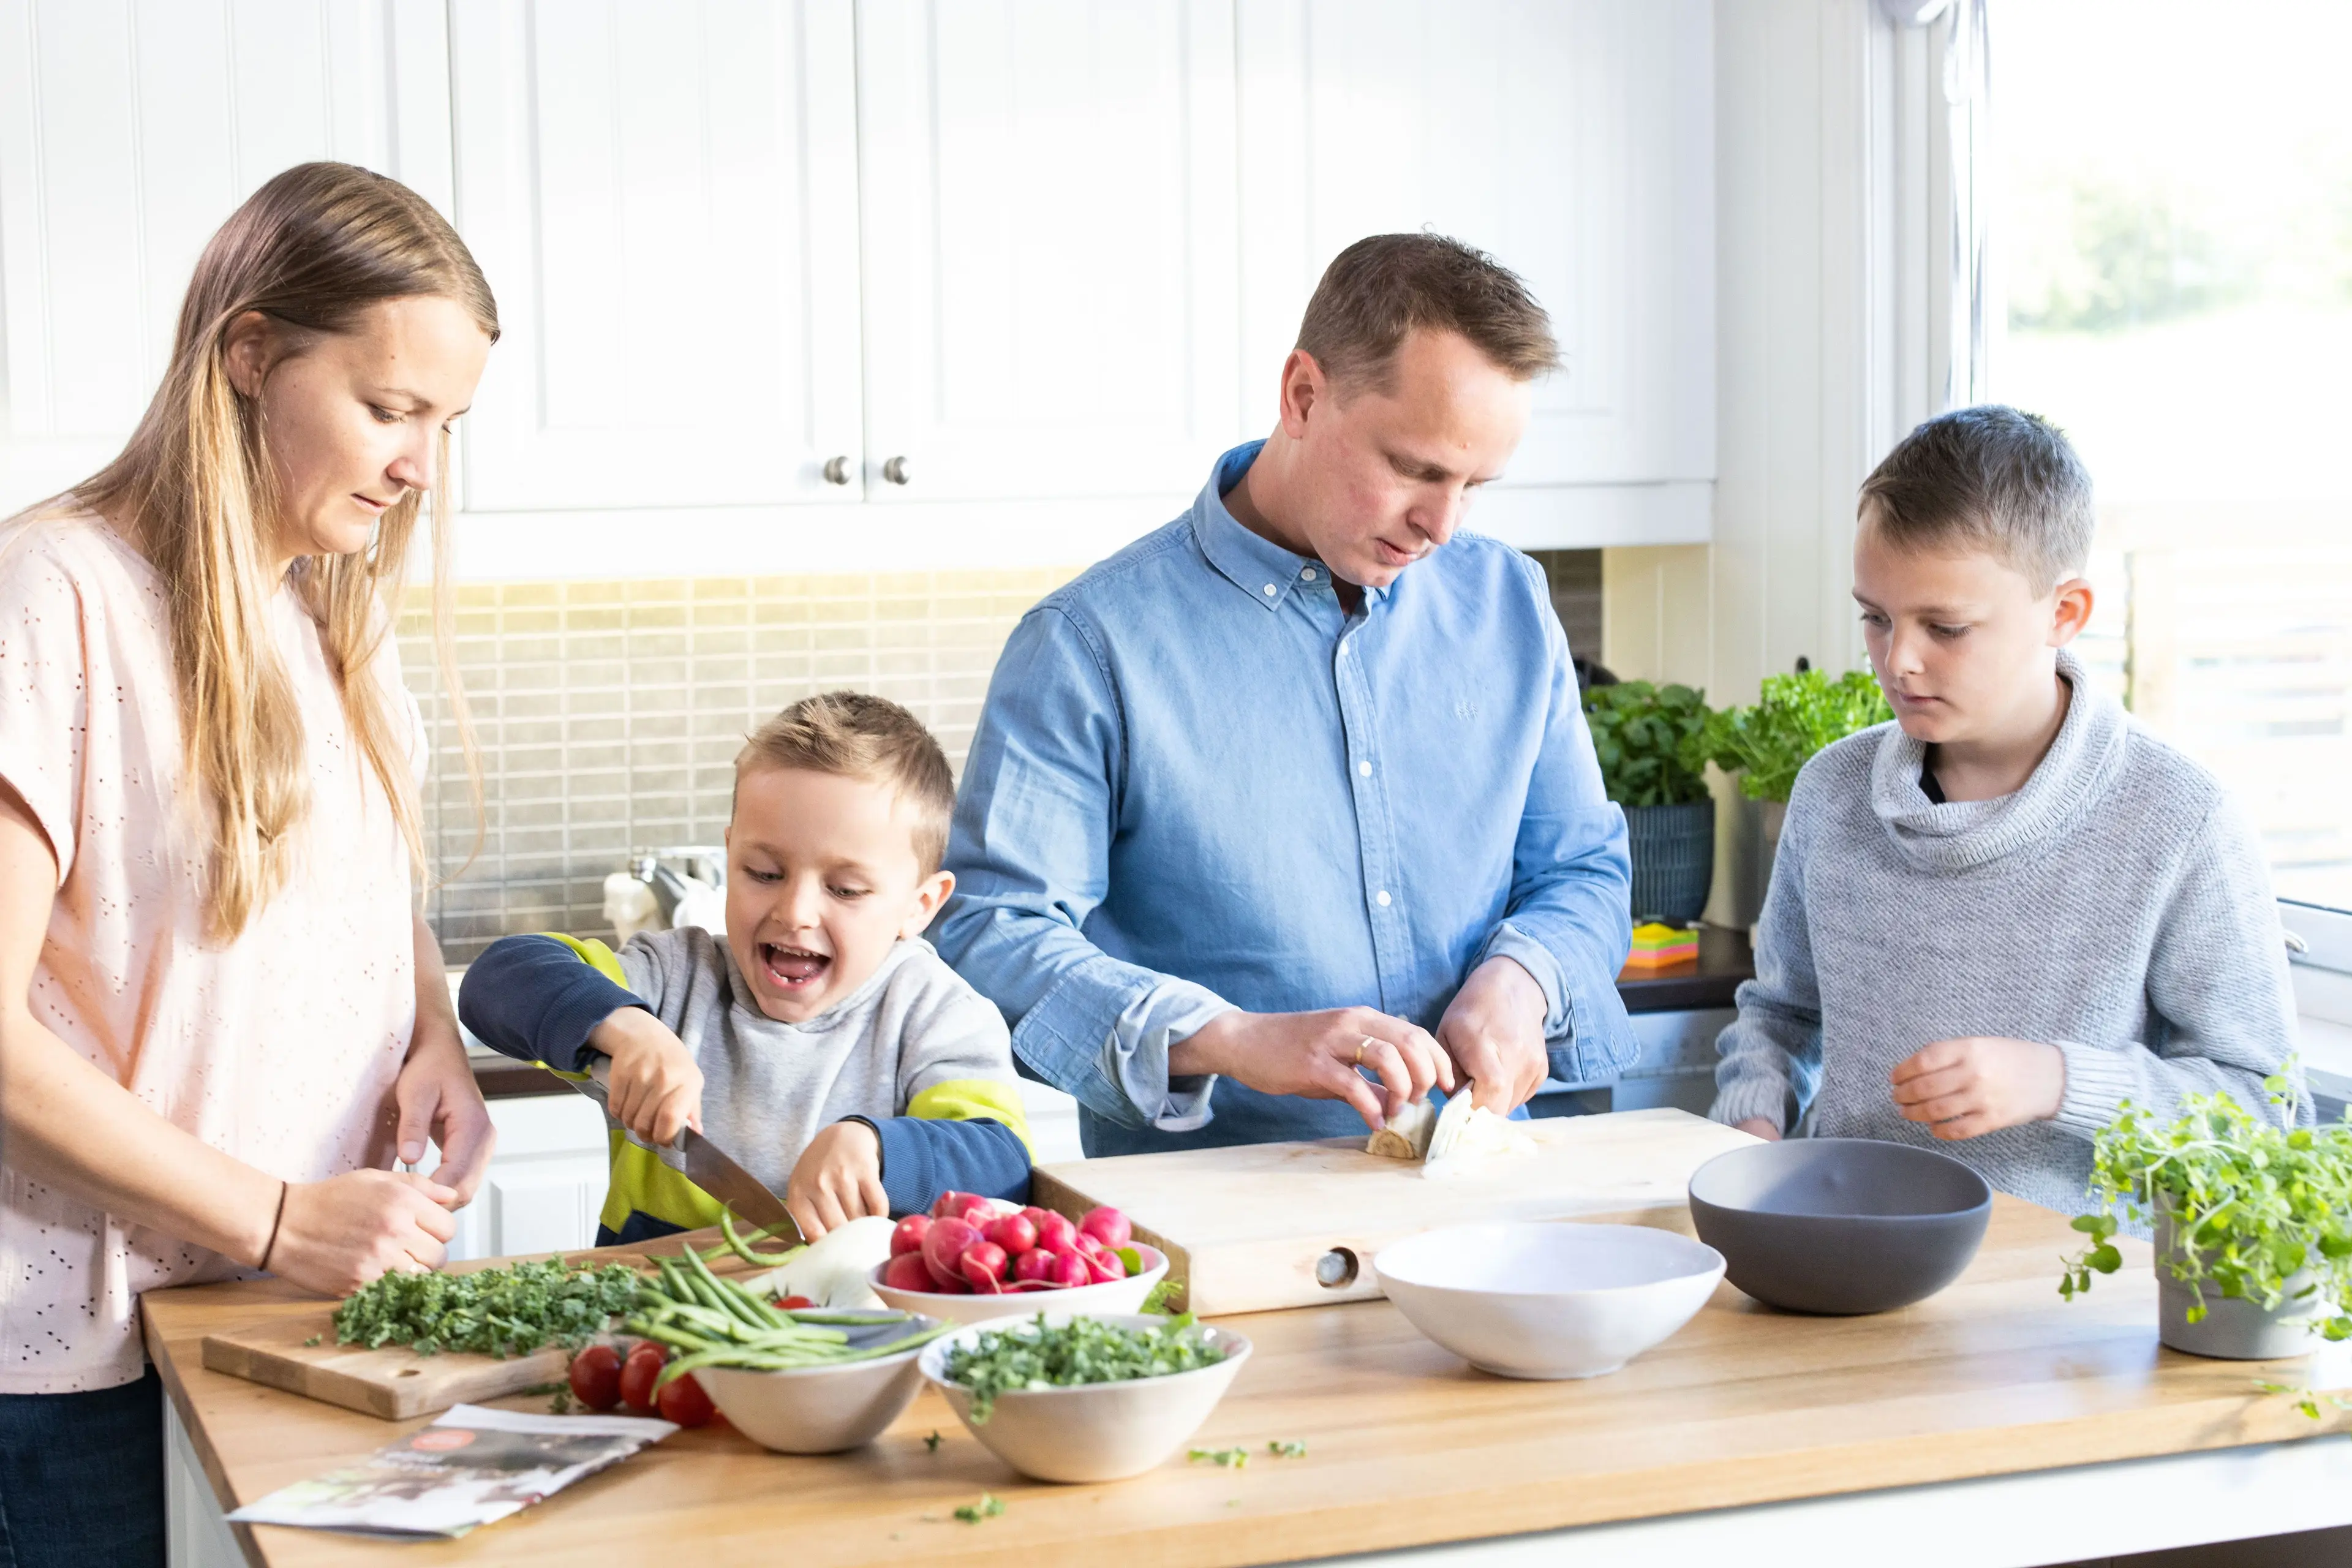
[280, 1047]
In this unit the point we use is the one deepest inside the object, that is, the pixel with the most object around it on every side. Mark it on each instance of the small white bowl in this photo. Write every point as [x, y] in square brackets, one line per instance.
[1116, 1295]
[819, 1409]
[1549, 1301]
[1097, 1431]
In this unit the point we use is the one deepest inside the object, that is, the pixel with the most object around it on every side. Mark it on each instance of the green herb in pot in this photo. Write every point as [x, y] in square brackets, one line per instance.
[2253, 1204]
[1034, 1355]
[1794, 717]
[1648, 740]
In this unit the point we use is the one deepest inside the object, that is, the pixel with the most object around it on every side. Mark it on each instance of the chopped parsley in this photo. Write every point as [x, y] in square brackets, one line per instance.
[511, 1310]
[1085, 1350]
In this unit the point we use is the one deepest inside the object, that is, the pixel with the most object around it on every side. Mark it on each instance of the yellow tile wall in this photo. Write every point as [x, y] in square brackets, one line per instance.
[608, 714]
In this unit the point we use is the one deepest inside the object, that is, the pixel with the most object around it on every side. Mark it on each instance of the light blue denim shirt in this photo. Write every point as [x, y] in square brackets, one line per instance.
[1197, 785]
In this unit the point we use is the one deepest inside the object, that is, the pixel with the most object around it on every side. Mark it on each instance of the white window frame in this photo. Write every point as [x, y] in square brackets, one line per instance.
[2319, 944]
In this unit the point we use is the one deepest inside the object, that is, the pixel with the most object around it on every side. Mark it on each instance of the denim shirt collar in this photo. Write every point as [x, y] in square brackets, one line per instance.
[1256, 565]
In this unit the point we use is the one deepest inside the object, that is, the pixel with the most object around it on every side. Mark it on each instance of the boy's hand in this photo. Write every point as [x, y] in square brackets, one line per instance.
[655, 1088]
[1494, 1031]
[1966, 1088]
[838, 1179]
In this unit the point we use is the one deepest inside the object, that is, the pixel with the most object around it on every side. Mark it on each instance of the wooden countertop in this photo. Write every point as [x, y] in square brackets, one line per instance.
[1406, 1446]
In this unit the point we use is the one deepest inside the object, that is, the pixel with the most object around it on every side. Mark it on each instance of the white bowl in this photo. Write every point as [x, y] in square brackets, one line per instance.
[1551, 1300]
[1117, 1296]
[1095, 1432]
[819, 1409]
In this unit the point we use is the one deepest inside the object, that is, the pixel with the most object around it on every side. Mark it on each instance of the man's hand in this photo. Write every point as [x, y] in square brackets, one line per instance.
[436, 1097]
[655, 1088]
[1494, 1030]
[1966, 1088]
[839, 1178]
[1316, 1054]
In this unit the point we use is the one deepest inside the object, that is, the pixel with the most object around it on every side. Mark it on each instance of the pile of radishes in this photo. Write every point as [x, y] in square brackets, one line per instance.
[969, 1244]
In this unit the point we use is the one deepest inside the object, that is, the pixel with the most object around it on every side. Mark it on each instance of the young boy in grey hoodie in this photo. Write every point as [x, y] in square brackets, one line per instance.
[1993, 921]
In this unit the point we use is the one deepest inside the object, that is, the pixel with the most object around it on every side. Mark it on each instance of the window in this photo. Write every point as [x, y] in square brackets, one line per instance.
[2173, 237]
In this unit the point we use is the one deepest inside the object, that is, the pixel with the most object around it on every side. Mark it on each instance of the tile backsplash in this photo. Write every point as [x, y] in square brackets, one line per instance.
[609, 713]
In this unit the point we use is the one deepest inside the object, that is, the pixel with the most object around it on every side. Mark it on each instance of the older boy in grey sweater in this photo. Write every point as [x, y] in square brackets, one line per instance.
[1995, 920]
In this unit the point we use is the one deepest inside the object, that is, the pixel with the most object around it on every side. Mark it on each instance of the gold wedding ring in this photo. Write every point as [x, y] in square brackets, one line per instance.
[1359, 1049]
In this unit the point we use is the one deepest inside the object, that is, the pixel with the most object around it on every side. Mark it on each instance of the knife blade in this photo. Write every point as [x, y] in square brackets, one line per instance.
[709, 1167]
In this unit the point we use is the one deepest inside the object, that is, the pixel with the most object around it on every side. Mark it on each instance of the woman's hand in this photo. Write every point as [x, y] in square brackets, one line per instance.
[1494, 1030]
[1967, 1088]
[436, 1095]
[1761, 1127]
[335, 1236]
[839, 1178]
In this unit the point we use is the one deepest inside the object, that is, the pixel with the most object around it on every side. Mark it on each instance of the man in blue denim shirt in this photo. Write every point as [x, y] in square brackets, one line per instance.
[1263, 800]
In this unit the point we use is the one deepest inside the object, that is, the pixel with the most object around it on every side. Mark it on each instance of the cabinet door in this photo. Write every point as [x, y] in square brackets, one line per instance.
[128, 133]
[545, 1183]
[662, 194]
[1048, 201]
[1572, 139]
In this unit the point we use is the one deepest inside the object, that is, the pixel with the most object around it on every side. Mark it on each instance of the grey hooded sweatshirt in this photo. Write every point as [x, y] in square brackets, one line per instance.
[2117, 907]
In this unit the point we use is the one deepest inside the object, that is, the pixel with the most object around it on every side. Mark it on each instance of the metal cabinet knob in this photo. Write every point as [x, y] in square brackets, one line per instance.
[895, 470]
[837, 470]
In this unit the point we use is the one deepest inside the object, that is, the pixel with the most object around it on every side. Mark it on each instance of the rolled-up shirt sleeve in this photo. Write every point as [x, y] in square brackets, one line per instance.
[1566, 921]
[1030, 851]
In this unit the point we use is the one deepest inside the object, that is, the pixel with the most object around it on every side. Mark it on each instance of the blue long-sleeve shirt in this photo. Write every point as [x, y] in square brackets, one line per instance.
[1199, 784]
[913, 1053]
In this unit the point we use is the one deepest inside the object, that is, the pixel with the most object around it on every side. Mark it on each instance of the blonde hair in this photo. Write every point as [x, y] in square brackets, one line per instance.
[855, 735]
[311, 250]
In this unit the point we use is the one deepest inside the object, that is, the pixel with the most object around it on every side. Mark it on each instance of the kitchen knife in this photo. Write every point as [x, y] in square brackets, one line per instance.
[709, 1167]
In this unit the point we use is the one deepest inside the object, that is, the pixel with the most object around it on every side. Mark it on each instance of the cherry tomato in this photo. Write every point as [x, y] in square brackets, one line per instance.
[682, 1400]
[597, 1377]
[789, 1304]
[638, 1375]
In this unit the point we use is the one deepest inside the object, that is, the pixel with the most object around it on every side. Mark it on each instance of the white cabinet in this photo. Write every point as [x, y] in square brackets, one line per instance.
[1049, 245]
[546, 1182]
[665, 200]
[1572, 139]
[128, 132]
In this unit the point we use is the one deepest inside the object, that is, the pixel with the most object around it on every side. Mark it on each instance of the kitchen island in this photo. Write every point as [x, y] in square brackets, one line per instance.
[1990, 1425]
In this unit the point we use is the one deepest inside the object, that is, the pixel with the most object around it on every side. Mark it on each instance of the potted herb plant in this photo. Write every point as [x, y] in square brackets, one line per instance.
[2252, 1219]
[1765, 745]
[1648, 739]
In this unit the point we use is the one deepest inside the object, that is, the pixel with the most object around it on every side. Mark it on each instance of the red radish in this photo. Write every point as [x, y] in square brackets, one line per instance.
[1107, 1266]
[682, 1400]
[909, 1236]
[943, 1244]
[908, 1271]
[984, 1264]
[1034, 1266]
[1107, 1225]
[597, 1377]
[977, 1210]
[1012, 1232]
[949, 1203]
[1034, 1214]
[1054, 1231]
[956, 1286]
[1070, 1270]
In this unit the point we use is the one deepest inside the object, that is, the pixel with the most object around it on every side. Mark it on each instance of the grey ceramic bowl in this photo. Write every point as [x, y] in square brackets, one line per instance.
[1840, 1224]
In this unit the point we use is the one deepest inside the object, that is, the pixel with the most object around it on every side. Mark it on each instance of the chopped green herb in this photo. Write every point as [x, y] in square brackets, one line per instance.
[506, 1311]
[312, 1341]
[989, 1506]
[1156, 1299]
[1084, 1351]
[1226, 1458]
[1282, 1450]
[933, 1441]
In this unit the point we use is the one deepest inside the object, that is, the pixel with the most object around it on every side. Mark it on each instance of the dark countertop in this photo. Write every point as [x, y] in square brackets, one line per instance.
[1724, 961]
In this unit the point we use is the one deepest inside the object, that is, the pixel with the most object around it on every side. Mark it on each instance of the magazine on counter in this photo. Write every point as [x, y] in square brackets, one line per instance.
[474, 1466]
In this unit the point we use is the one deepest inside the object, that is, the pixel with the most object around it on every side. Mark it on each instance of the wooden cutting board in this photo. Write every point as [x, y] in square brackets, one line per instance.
[394, 1382]
[1297, 1225]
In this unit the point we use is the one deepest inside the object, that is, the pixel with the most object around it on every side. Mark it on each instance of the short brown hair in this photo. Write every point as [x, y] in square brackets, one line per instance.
[1379, 290]
[856, 735]
[1993, 478]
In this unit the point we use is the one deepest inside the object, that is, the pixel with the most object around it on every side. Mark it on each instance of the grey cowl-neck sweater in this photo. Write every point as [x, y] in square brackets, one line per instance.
[2117, 907]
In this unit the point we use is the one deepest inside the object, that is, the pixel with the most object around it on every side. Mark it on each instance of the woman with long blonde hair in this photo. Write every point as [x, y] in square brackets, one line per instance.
[221, 1016]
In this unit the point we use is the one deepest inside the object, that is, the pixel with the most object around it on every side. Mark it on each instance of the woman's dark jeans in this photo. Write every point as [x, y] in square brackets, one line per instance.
[82, 1477]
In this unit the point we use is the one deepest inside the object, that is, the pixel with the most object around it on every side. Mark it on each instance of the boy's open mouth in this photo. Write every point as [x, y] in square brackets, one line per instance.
[790, 968]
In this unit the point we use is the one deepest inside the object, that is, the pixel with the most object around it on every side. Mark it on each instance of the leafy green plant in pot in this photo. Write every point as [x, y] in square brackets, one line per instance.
[1647, 738]
[1766, 745]
[2252, 1219]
